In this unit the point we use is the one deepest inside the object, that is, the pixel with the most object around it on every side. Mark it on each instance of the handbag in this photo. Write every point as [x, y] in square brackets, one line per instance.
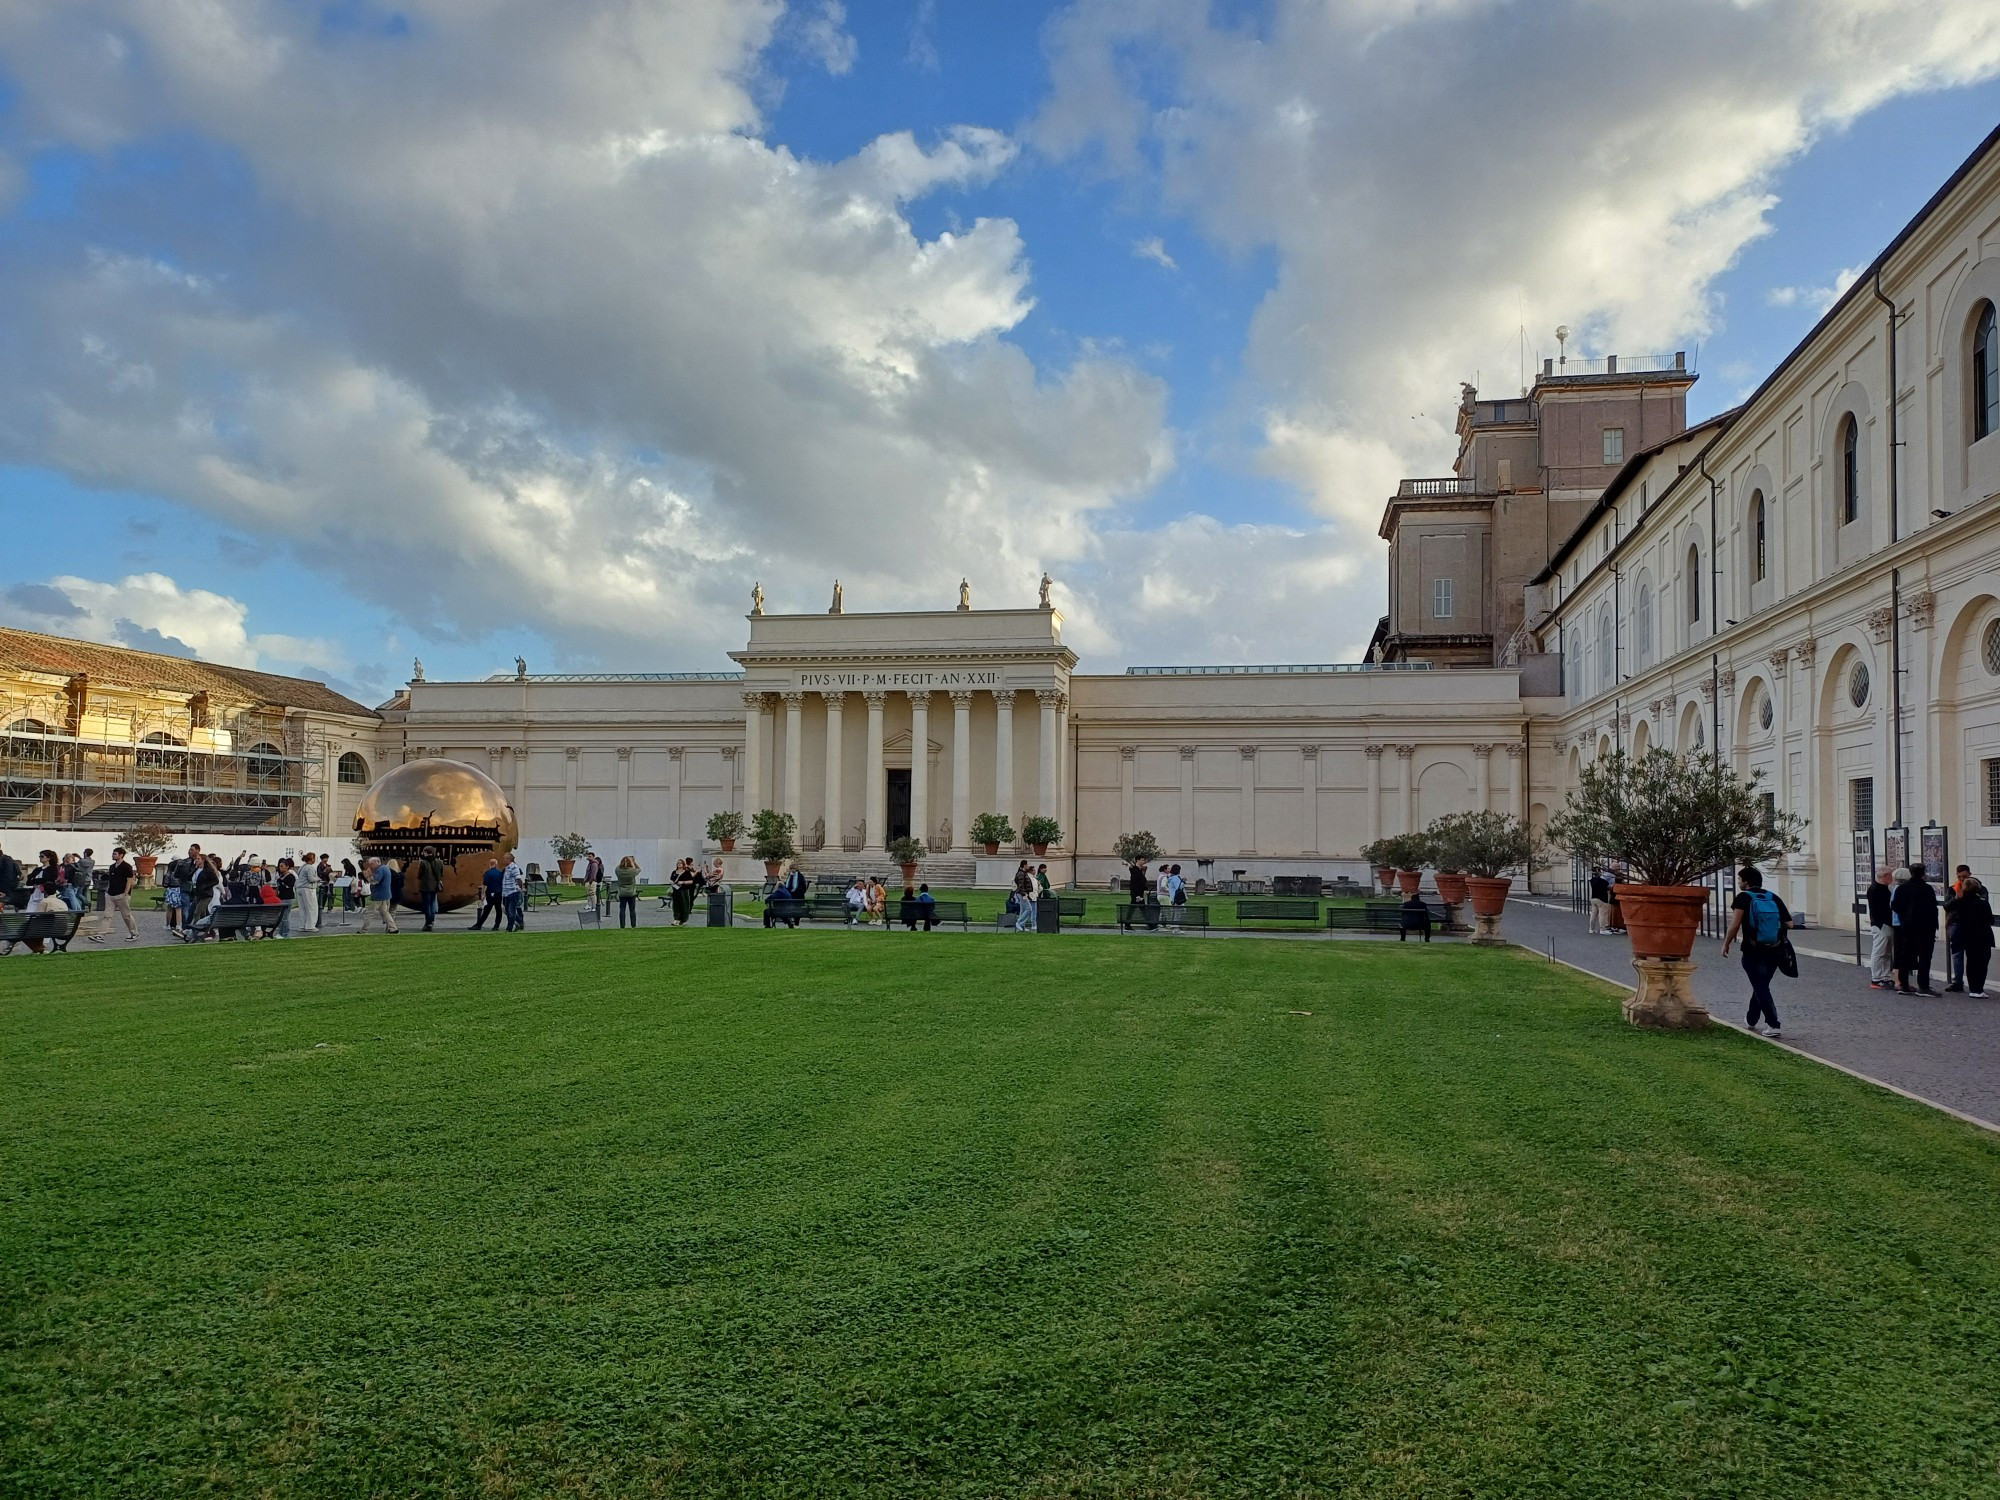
[1788, 959]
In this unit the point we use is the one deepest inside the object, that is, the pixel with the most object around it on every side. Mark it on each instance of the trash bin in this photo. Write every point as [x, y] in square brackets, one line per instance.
[1048, 914]
[718, 908]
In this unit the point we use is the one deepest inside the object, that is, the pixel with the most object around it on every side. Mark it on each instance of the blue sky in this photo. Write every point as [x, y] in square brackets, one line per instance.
[357, 333]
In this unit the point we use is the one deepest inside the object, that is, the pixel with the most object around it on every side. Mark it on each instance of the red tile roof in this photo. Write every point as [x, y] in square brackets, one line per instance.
[27, 650]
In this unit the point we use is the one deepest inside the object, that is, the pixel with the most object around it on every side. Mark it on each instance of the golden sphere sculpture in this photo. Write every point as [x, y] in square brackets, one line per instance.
[443, 805]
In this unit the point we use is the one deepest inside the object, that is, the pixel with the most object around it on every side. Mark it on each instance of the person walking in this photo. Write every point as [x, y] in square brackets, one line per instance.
[285, 886]
[1954, 951]
[380, 884]
[1144, 892]
[305, 891]
[1024, 894]
[119, 877]
[430, 882]
[1761, 921]
[628, 890]
[1914, 910]
[1971, 913]
[1600, 902]
[1882, 933]
[325, 892]
[514, 895]
[207, 884]
[489, 898]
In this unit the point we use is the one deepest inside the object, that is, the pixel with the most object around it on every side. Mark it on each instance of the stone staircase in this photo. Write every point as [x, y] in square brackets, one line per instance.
[942, 871]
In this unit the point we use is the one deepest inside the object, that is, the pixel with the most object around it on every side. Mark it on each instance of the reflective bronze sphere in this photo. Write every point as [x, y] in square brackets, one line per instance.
[444, 805]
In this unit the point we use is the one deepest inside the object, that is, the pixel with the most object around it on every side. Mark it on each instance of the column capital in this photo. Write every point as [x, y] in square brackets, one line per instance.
[1778, 659]
[961, 698]
[1923, 608]
[571, 752]
[1373, 752]
[1404, 752]
[1248, 752]
[1515, 750]
[792, 699]
[675, 752]
[876, 697]
[1187, 752]
[1004, 696]
[1727, 677]
[835, 702]
[1126, 752]
[1051, 698]
[1880, 621]
[624, 752]
[1807, 651]
[1310, 752]
[1482, 751]
[729, 752]
[754, 701]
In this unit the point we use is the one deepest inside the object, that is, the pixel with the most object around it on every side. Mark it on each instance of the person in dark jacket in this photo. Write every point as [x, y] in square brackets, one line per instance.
[1143, 892]
[1914, 910]
[430, 880]
[1882, 932]
[489, 890]
[1415, 917]
[1971, 912]
[10, 882]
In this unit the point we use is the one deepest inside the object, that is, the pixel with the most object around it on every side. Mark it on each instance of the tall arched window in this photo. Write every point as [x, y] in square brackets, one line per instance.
[353, 770]
[1986, 375]
[1757, 552]
[1850, 470]
[1642, 622]
[1692, 585]
[1607, 654]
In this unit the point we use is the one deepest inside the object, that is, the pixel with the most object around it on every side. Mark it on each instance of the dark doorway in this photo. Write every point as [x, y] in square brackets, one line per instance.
[899, 805]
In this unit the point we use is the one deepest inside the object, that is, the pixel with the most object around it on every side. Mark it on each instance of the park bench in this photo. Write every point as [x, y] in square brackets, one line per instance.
[1279, 909]
[1068, 909]
[1385, 916]
[1160, 918]
[535, 891]
[55, 928]
[239, 921]
[828, 906]
[787, 909]
[941, 911]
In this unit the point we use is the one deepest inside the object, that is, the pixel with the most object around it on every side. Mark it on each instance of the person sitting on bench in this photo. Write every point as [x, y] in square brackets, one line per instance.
[919, 906]
[791, 888]
[1416, 917]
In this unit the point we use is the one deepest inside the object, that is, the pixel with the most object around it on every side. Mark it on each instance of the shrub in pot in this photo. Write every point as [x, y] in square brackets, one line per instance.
[1480, 847]
[991, 830]
[1375, 852]
[1139, 848]
[725, 828]
[1450, 872]
[144, 844]
[1040, 832]
[771, 839]
[908, 853]
[1409, 853]
[568, 849]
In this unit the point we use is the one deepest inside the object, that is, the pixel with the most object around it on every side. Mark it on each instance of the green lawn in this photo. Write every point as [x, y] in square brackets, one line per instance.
[706, 1213]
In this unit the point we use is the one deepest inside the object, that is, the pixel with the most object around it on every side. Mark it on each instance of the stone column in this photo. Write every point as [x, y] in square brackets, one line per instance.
[1482, 777]
[675, 776]
[1309, 780]
[521, 782]
[920, 767]
[734, 793]
[878, 791]
[961, 771]
[1517, 790]
[1126, 754]
[1187, 800]
[1003, 755]
[624, 791]
[1051, 756]
[794, 754]
[1374, 754]
[570, 754]
[1806, 654]
[836, 704]
[753, 745]
[1406, 756]
[1246, 817]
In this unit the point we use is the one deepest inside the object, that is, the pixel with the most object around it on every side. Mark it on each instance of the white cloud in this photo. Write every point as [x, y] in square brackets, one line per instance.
[824, 34]
[1817, 298]
[1154, 248]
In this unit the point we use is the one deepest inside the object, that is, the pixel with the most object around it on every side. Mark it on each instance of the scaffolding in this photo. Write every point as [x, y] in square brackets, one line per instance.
[66, 763]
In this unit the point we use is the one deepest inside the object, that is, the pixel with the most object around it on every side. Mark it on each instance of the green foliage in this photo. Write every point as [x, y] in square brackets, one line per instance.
[906, 850]
[1483, 843]
[147, 840]
[1671, 819]
[1139, 848]
[725, 825]
[1406, 851]
[711, 1213]
[1376, 853]
[992, 828]
[570, 846]
[772, 835]
[1041, 830]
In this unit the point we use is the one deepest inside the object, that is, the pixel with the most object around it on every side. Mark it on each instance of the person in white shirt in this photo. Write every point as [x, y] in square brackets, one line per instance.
[305, 876]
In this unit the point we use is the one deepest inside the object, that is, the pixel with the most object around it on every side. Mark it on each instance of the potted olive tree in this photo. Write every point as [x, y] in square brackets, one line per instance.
[1482, 847]
[1139, 848]
[1444, 854]
[725, 828]
[1670, 821]
[908, 853]
[771, 839]
[1409, 853]
[1040, 832]
[144, 844]
[569, 848]
[991, 830]
[1376, 853]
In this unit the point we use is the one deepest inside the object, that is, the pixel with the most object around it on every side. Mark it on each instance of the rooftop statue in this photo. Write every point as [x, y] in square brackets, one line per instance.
[756, 598]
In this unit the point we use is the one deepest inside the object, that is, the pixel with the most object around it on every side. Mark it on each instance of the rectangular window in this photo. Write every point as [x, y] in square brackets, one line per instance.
[1614, 445]
[1645, 498]
[1992, 770]
[1770, 804]
[1861, 802]
[1441, 599]
[1506, 473]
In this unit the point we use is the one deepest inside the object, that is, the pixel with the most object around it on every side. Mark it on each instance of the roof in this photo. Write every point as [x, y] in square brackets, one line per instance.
[30, 651]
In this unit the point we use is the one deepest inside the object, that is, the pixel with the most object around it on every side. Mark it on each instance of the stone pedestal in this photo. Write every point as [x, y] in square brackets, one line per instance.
[1665, 998]
[1486, 931]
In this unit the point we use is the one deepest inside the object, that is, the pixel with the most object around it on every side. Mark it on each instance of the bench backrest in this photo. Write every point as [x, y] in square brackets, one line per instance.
[1072, 906]
[1280, 909]
[1152, 914]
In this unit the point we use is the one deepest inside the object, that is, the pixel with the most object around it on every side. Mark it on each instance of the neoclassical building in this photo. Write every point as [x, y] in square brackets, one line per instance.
[1807, 584]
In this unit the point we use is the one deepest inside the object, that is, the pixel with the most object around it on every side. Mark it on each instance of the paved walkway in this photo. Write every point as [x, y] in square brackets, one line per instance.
[1945, 1050]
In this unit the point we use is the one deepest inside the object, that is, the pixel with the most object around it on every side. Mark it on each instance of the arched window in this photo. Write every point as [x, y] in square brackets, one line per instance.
[1850, 470]
[1642, 621]
[1757, 551]
[156, 757]
[1692, 585]
[1986, 375]
[264, 762]
[353, 770]
[1607, 654]
[31, 747]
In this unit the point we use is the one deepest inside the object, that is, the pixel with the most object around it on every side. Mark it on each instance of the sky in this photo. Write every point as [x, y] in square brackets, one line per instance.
[341, 334]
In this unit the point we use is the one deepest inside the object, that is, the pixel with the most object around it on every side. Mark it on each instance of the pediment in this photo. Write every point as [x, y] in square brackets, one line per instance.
[899, 744]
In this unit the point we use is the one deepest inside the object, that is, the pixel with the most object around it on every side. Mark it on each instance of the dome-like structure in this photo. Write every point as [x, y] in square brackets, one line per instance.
[442, 805]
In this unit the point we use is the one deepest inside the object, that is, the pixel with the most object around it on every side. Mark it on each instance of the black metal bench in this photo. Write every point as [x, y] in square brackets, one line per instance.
[1068, 909]
[1385, 916]
[831, 907]
[238, 921]
[941, 911]
[787, 909]
[1153, 917]
[55, 928]
[1278, 909]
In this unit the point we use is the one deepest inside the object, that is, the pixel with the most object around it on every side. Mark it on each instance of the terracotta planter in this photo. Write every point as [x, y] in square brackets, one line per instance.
[729, 846]
[1662, 920]
[565, 865]
[1040, 849]
[1488, 893]
[1409, 880]
[1387, 876]
[1451, 887]
[144, 865]
[993, 848]
[910, 873]
[772, 867]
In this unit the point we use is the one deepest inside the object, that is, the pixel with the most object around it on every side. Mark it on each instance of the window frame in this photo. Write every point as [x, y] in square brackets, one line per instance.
[1692, 587]
[1442, 602]
[1607, 437]
[340, 776]
[1850, 470]
[1986, 373]
[1759, 530]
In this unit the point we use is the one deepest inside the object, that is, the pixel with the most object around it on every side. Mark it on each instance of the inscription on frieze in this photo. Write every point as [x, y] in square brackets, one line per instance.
[857, 681]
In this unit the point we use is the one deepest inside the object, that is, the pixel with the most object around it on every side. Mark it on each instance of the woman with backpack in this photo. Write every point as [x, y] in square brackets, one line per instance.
[628, 891]
[1760, 922]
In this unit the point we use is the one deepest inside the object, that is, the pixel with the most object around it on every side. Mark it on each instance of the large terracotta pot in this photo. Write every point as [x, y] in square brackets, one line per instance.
[1040, 849]
[772, 867]
[144, 865]
[993, 848]
[1409, 880]
[1451, 887]
[566, 865]
[1488, 893]
[1662, 919]
[910, 873]
[1387, 875]
[729, 846]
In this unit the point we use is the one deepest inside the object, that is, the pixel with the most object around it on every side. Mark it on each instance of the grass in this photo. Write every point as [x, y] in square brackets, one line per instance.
[736, 1213]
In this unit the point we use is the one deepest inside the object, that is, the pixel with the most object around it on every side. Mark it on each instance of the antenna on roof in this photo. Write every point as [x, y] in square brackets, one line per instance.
[1562, 345]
